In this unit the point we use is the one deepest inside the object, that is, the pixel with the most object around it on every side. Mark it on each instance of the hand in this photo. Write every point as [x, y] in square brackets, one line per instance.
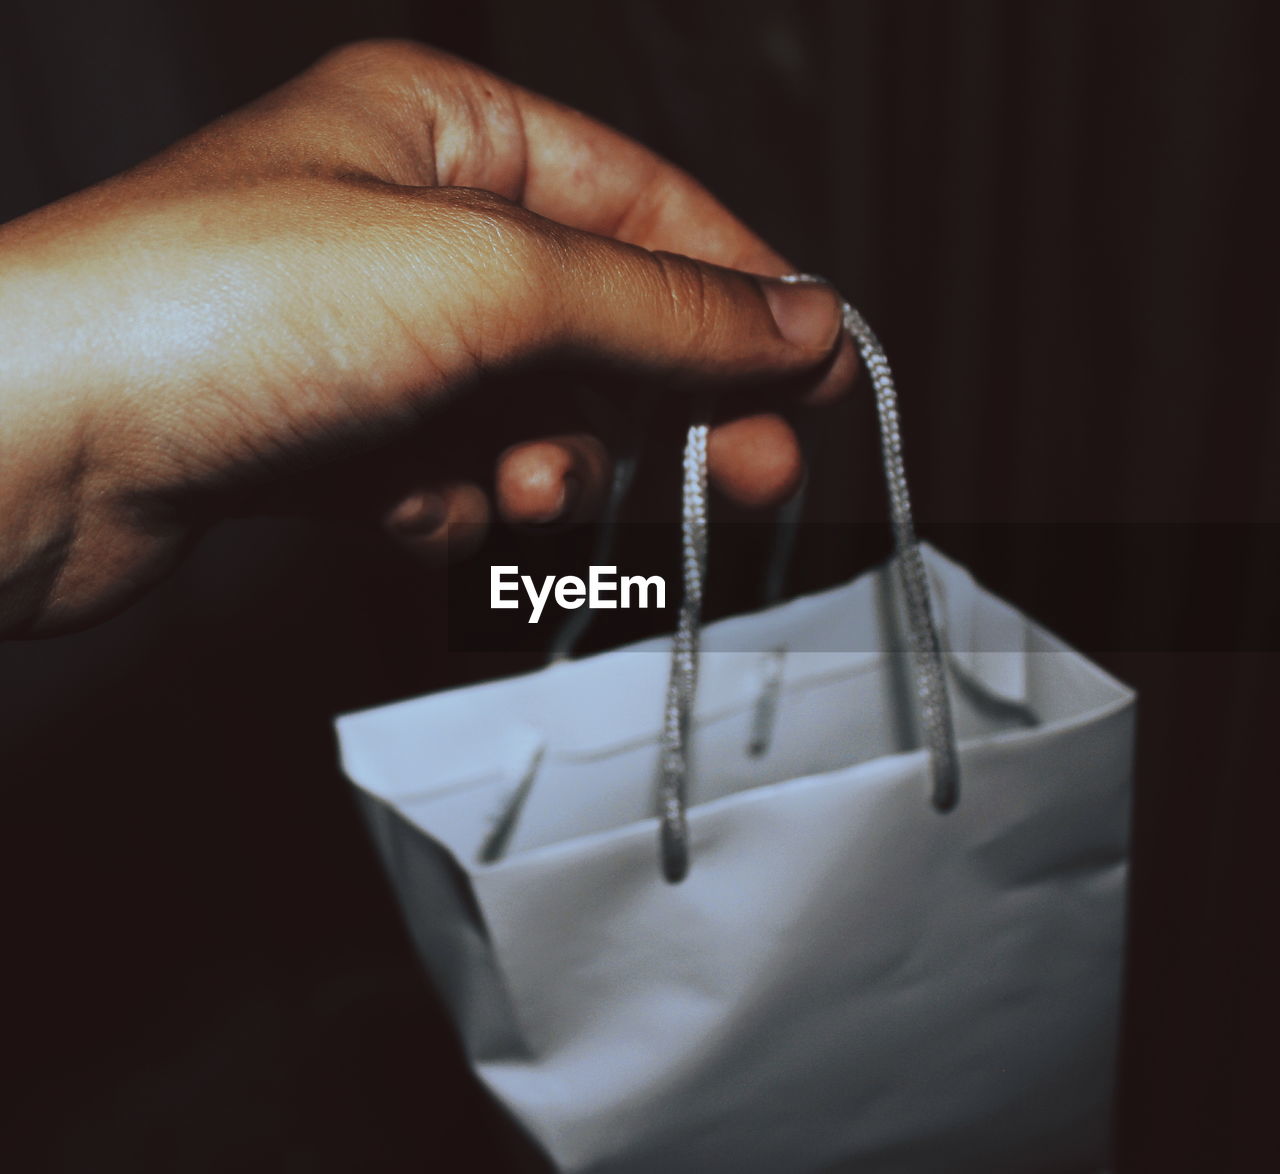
[316, 276]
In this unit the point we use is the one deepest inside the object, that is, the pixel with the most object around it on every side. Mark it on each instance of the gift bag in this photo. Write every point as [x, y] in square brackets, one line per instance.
[835, 886]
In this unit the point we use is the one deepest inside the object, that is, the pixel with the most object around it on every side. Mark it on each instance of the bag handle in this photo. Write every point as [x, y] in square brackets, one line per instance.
[631, 425]
[933, 707]
[567, 638]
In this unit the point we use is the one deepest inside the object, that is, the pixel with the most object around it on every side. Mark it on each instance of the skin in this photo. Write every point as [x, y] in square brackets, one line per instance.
[283, 311]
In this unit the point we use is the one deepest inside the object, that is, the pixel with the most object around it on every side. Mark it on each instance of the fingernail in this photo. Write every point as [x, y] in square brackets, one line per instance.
[566, 501]
[807, 312]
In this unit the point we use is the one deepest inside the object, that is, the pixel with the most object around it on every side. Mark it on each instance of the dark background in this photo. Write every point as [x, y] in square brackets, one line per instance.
[1062, 219]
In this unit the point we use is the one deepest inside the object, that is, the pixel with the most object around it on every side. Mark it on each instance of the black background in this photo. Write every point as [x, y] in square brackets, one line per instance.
[1060, 217]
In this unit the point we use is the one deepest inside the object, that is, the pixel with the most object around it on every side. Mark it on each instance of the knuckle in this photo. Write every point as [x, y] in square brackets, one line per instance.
[507, 254]
[377, 57]
[691, 308]
[502, 230]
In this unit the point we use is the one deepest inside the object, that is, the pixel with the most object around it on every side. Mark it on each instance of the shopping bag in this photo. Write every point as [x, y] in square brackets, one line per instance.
[861, 968]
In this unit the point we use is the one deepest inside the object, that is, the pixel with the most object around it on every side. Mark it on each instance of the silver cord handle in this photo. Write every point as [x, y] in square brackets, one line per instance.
[933, 707]
[683, 682]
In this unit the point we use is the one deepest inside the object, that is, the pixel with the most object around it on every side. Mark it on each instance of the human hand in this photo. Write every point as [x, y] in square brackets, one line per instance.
[317, 275]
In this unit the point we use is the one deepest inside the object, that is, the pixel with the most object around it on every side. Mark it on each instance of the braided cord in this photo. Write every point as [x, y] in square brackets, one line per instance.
[933, 707]
[683, 682]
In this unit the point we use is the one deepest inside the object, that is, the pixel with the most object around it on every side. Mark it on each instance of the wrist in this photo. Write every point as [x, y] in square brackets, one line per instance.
[47, 468]
[37, 532]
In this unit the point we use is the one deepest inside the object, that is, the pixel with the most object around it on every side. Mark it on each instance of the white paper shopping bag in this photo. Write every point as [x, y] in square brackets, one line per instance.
[846, 979]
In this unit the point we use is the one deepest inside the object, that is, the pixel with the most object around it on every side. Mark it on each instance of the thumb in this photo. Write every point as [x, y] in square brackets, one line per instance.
[653, 313]
[687, 320]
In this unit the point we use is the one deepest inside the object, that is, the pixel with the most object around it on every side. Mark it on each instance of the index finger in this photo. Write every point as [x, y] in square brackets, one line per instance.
[579, 172]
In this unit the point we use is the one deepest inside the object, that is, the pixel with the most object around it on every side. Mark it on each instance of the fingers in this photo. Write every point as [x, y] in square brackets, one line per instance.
[691, 322]
[755, 461]
[558, 479]
[537, 285]
[412, 114]
[566, 166]
[623, 190]
[675, 320]
[441, 523]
